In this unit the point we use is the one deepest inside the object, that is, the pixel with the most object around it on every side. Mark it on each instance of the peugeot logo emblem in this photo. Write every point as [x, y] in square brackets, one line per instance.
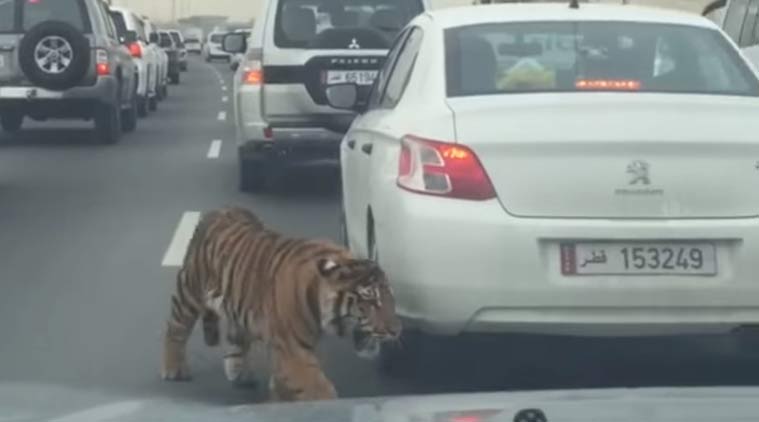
[354, 44]
[638, 169]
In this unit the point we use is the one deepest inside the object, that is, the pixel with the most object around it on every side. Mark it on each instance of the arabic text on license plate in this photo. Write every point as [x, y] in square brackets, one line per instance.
[359, 77]
[638, 258]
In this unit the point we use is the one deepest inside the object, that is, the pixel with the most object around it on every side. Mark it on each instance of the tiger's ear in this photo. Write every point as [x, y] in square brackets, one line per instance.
[327, 267]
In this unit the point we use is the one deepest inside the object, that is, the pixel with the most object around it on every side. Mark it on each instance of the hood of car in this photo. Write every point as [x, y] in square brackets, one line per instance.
[33, 402]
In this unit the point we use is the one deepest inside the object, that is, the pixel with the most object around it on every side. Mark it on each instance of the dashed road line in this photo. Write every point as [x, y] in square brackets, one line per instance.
[215, 149]
[222, 115]
[175, 253]
[223, 88]
[224, 99]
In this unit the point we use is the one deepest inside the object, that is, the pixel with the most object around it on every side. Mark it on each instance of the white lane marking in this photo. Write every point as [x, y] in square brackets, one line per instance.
[107, 412]
[224, 99]
[215, 149]
[222, 115]
[175, 253]
[223, 88]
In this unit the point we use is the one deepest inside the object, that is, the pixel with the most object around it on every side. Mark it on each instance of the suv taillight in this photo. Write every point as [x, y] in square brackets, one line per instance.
[135, 49]
[102, 67]
[252, 73]
[442, 169]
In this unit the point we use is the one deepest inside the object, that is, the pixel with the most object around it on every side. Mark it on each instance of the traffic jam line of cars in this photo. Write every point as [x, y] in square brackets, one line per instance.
[583, 137]
[81, 59]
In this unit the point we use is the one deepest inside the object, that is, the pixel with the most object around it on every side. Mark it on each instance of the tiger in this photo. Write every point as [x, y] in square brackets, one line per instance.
[283, 292]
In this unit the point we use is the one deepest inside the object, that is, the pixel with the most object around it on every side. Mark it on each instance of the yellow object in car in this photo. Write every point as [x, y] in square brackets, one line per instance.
[527, 75]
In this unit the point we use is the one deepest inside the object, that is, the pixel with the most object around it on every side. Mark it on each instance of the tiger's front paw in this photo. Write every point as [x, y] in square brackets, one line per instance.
[238, 372]
[179, 372]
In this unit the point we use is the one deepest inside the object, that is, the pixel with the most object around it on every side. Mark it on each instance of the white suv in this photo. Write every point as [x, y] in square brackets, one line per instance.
[212, 49]
[146, 59]
[297, 49]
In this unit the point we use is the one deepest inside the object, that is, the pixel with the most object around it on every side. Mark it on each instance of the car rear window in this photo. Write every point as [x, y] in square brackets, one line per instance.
[119, 22]
[69, 11]
[164, 39]
[342, 24]
[521, 57]
[7, 15]
[177, 39]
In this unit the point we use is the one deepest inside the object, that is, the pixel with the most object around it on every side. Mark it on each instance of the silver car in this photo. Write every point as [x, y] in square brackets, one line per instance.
[64, 59]
[296, 49]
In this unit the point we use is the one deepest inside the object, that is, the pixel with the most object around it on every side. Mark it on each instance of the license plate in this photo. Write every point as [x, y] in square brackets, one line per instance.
[638, 258]
[358, 77]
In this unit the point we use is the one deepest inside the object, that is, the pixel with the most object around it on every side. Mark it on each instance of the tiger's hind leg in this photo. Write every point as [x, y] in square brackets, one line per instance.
[237, 366]
[179, 326]
[211, 328]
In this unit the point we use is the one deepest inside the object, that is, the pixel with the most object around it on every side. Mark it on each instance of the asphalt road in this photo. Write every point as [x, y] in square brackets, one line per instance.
[83, 292]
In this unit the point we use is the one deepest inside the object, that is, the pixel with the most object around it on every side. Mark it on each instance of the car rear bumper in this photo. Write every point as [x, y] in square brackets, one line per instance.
[295, 145]
[495, 273]
[74, 102]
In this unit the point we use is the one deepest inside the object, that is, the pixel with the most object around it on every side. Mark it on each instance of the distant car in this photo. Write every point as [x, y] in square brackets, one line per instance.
[162, 77]
[212, 49]
[166, 41]
[528, 168]
[146, 58]
[297, 49]
[179, 42]
[63, 59]
[193, 45]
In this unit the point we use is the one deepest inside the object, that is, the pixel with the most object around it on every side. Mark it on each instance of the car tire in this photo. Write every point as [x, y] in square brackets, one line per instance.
[129, 117]
[174, 78]
[11, 122]
[142, 106]
[252, 175]
[66, 42]
[153, 103]
[107, 123]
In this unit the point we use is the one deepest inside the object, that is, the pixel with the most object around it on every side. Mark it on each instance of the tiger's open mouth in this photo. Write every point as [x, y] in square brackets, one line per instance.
[366, 344]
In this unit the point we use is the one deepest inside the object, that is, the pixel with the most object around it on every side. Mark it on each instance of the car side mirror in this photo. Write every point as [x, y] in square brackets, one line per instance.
[234, 43]
[153, 38]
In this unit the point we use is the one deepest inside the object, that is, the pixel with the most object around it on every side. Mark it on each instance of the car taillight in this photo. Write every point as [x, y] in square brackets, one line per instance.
[443, 169]
[102, 67]
[253, 73]
[135, 50]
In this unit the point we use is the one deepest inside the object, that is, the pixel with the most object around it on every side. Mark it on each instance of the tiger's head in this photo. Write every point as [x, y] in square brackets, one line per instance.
[358, 301]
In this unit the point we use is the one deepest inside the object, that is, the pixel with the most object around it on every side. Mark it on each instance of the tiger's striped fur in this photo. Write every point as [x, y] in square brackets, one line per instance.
[283, 291]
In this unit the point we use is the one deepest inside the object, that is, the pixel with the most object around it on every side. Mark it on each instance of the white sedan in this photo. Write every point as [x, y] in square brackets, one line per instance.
[557, 170]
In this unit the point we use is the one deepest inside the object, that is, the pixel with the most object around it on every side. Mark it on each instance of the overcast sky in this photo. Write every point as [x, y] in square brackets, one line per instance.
[242, 10]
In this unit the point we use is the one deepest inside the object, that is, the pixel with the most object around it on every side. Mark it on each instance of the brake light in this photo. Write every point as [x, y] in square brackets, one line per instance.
[102, 67]
[253, 73]
[135, 49]
[443, 169]
[608, 84]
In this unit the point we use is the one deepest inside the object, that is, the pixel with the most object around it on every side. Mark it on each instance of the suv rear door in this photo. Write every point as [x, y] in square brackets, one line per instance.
[309, 44]
[18, 16]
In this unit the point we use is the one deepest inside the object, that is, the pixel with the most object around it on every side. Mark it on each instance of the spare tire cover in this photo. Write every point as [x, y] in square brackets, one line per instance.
[54, 55]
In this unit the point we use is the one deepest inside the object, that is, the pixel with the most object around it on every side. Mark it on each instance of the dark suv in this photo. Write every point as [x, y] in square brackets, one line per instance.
[64, 59]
